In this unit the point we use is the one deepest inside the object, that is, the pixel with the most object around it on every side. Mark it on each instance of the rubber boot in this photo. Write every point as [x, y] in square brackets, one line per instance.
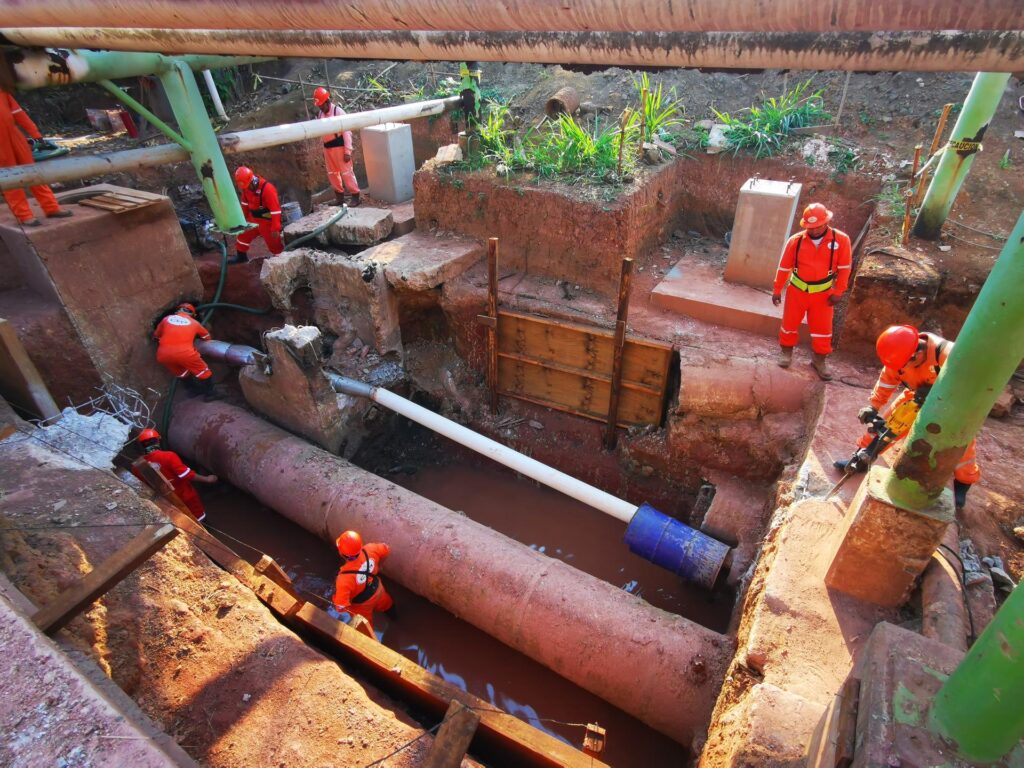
[61, 214]
[339, 197]
[785, 357]
[204, 387]
[238, 258]
[32, 223]
[355, 200]
[820, 365]
[960, 493]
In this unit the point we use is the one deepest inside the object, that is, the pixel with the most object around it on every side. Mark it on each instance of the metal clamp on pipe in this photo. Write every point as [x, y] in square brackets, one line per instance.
[231, 354]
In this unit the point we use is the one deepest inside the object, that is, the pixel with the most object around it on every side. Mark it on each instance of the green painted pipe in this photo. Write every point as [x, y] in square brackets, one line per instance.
[187, 103]
[978, 709]
[964, 143]
[155, 121]
[987, 352]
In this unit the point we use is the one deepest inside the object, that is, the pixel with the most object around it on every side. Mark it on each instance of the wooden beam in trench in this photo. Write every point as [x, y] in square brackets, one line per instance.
[453, 738]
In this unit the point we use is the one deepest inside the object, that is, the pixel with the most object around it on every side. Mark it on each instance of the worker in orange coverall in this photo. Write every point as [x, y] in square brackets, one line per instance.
[170, 465]
[816, 264]
[16, 150]
[337, 151]
[358, 588]
[261, 207]
[913, 359]
[175, 336]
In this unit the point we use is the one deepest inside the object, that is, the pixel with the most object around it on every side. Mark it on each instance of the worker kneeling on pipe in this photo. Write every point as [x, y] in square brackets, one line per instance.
[359, 589]
[176, 335]
[912, 359]
[174, 470]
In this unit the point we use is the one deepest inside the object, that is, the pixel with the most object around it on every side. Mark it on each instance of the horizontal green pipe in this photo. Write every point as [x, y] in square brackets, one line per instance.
[155, 121]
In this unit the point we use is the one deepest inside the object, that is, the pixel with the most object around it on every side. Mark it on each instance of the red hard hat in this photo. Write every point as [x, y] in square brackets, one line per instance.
[148, 434]
[243, 175]
[186, 307]
[320, 95]
[815, 215]
[349, 543]
[896, 345]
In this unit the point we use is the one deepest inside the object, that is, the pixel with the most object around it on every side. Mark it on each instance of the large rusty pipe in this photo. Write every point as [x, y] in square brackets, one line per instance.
[525, 15]
[935, 51]
[662, 669]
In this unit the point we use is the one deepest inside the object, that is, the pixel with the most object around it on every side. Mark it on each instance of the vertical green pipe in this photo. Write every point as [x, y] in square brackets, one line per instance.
[979, 107]
[987, 351]
[183, 93]
[155, 121]
[979, 708]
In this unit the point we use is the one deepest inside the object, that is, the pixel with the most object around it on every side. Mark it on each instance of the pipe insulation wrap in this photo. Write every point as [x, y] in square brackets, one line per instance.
[663, 669]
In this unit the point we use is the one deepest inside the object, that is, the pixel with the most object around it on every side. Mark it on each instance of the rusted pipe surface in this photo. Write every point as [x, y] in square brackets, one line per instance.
[662, 669]
[524, 15]
[565, 102]
[943, 615]
[928, 51]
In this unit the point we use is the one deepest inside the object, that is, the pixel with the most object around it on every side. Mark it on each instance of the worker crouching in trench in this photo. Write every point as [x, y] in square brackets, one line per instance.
[359, 589]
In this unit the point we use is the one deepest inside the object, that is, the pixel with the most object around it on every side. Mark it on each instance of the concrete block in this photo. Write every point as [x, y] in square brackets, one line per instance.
[764, 219]
[420, 261]
[298, 396]
[388, 155]
[404, 216]
[360, 226]
[881, 549]
[738, 388]
[697, 290]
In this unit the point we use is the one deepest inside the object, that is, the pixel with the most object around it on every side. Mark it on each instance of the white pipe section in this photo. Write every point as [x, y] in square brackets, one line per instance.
[214, 95]
[570, 486]
[74, 168]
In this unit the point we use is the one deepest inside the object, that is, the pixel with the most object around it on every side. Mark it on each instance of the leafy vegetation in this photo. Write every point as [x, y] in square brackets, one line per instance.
[843, 157]
[1004, 161]
[662, 115]
[765, 129]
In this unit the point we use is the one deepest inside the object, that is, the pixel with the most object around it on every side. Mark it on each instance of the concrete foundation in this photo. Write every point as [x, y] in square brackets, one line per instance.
[764, 220]
[420, 261]
[881, 549]
[360, 226]
[388, 155]
[572, 623]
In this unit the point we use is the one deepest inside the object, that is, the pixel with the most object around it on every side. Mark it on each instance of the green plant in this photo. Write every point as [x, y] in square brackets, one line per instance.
[844, 158]
[865, 118]
[767, 126]
[1004, 161]
[660, 113]
[892, 202]
[572, 149]
[379, 89]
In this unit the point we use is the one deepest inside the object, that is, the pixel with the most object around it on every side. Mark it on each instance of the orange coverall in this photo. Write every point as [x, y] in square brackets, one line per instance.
[170, 465]
[814, 272]
[339, 171]
[359, 588]
[14, 150]
[912, 376]
[176, 334]
[262, 207]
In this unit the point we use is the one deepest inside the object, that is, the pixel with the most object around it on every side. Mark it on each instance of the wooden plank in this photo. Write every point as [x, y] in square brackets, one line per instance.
[453, 738]
[53, 617]
[622, 313]
[20, 382]
[101, 202]
[157, 483]
[268, 567]
[492, 311]
[655, 391]
[846, 735]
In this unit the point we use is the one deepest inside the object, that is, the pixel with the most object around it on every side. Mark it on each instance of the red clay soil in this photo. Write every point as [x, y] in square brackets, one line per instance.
[196, 650]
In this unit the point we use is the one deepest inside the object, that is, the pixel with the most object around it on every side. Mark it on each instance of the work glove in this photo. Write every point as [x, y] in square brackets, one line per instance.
[32, 142]
[347, 157]
[776, 299]
[867, 414]
[834, 298]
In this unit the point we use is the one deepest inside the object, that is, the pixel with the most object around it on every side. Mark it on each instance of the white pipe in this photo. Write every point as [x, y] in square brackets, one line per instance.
[570, 486]
[74, 168]
[214, 95]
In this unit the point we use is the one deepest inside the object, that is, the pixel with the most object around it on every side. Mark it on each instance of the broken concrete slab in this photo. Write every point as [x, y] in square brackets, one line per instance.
[359, 226]
[351, 296]
[298, 396]
[446, 155]
[404, 215]
[420, 261]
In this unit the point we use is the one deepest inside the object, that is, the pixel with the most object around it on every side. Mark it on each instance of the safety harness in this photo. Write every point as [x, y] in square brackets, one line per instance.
[814, 286]
[339, 138]
[372, 581]
[261, 212]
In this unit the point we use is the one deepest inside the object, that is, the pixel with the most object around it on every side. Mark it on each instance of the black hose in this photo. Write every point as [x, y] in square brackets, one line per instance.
[224, 305]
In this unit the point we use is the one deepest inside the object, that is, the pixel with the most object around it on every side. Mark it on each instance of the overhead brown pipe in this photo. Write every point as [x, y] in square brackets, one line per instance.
[937, 51]
[526, 15]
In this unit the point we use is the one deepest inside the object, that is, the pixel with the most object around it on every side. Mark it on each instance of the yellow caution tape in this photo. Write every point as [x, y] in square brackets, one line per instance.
[965, 146]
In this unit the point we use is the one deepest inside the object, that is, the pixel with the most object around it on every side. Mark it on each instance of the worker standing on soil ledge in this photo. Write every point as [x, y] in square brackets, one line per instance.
[816, 263]
[358, 588]
[170, 465]
[176, 352]
[337, 151]
[913, 359]
[15, 150]
[261, 207]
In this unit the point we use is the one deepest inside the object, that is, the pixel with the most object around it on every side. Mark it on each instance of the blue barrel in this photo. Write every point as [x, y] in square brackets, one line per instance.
[675, 546]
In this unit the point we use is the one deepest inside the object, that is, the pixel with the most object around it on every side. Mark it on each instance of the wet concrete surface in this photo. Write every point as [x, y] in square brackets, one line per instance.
[441, 643]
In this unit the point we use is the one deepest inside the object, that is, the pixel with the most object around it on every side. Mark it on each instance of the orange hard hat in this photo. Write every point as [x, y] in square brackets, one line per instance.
[320, 95]
[243, 175]
[186, 307]
[148, 434]
[896, 345]
[815, 215]
[349, 543]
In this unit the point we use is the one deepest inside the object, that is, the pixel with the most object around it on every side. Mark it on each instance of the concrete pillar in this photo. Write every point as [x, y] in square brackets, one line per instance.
[883, 548]
[388, 156]
[764, 219]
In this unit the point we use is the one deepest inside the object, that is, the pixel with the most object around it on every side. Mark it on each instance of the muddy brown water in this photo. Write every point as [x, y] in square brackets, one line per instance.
[446, 646]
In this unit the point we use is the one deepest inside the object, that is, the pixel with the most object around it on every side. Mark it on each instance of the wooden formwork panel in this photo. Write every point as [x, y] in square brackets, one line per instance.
[568, 366]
